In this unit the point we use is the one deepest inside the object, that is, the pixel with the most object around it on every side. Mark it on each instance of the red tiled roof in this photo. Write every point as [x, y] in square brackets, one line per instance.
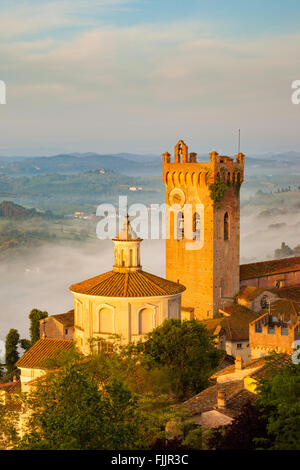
[253, 364]
[236, 325]
[44, 348]
[128, 284]
[266, 268]
[236, 397]
[10, 386]
[249, 292]
[67, 319]
[291, 293]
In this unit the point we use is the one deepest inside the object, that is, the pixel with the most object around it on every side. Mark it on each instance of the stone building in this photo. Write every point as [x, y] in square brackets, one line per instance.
[59, 326]
[271, 274]
[126, 301]
[231, 329]
[33, 363]
[202, 251]
[276, 329]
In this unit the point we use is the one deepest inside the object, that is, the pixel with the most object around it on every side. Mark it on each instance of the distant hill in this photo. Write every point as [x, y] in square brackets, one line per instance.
[12, 210]
[64, 194]
[65, 164]
[129, 164]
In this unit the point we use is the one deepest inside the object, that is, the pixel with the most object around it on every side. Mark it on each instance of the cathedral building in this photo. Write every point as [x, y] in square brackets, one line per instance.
[125, 301]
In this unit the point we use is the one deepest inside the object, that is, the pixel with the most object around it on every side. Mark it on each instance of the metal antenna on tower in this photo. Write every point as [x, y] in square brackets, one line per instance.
[239, 144]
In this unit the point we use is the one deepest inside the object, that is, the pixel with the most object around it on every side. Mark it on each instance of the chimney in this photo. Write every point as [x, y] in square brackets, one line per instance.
[221, 400]
[238, 363]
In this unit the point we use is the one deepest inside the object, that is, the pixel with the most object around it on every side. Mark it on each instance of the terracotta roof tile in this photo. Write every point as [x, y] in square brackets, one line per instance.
[67, 319]
[236, 326]
[129, 284]
[10, 386]
[249, 292]
[254, 363]
[284, 309]
[44, 348]
[265, 268]
[291, 293]
[236, 397]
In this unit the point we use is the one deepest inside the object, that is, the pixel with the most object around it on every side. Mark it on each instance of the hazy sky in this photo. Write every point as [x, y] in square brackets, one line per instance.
[137, 75]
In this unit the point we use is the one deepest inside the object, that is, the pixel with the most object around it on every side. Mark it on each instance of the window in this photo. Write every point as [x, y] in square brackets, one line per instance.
[145, 321]
[228, 179]
[196, 226]
[239, 346]
[66, 331]
[180, 226]
[284, 331]
[271, 330]
[279, 284]
[258, 327]
[106, 346]
[264, 302]
[106, 321]
[226, 226]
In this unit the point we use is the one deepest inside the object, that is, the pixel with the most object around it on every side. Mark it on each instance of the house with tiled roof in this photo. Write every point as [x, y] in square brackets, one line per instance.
[33, 364]
[271, 274]
[218, 404]
[232, 330]
[276, 329]
[60, 326]
[8, 388]
[221, 402]
[125, 301]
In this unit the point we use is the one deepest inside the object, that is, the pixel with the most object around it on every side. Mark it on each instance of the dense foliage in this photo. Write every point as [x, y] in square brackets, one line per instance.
[35, 316]
[272, 421]
[186, 351]
[11, 349]
[217, 190]
[241, 434]
[279, 402]
[70, 410]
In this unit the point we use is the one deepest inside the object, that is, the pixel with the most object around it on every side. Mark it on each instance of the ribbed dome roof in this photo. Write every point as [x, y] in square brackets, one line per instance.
[127, 284]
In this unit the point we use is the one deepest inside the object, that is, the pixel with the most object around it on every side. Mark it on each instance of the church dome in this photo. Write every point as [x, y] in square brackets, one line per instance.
[127, 284]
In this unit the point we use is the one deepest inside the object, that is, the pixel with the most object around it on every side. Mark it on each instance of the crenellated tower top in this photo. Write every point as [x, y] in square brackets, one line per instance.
[219, 166]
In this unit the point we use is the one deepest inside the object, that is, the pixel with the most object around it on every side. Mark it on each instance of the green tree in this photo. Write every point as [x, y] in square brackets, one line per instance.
[35, 316]
[279, 401]
[69, 410]
[25, 344]
[11, 349]
[186, 351]
[241, 434]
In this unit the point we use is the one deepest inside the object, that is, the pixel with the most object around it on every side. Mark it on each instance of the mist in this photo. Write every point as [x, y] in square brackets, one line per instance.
[41, 278]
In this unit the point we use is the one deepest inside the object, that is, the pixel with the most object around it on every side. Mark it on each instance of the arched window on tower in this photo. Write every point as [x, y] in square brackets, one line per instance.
[226, 226]
[180, 226]
[196, 226]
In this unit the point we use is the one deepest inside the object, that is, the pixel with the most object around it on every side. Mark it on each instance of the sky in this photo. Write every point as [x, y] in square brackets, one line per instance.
[136, 76]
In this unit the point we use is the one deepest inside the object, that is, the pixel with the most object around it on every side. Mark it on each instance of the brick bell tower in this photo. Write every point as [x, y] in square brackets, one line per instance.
[203, 220]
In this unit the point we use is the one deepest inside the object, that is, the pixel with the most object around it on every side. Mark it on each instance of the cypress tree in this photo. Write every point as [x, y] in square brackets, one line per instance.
[11, 349]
